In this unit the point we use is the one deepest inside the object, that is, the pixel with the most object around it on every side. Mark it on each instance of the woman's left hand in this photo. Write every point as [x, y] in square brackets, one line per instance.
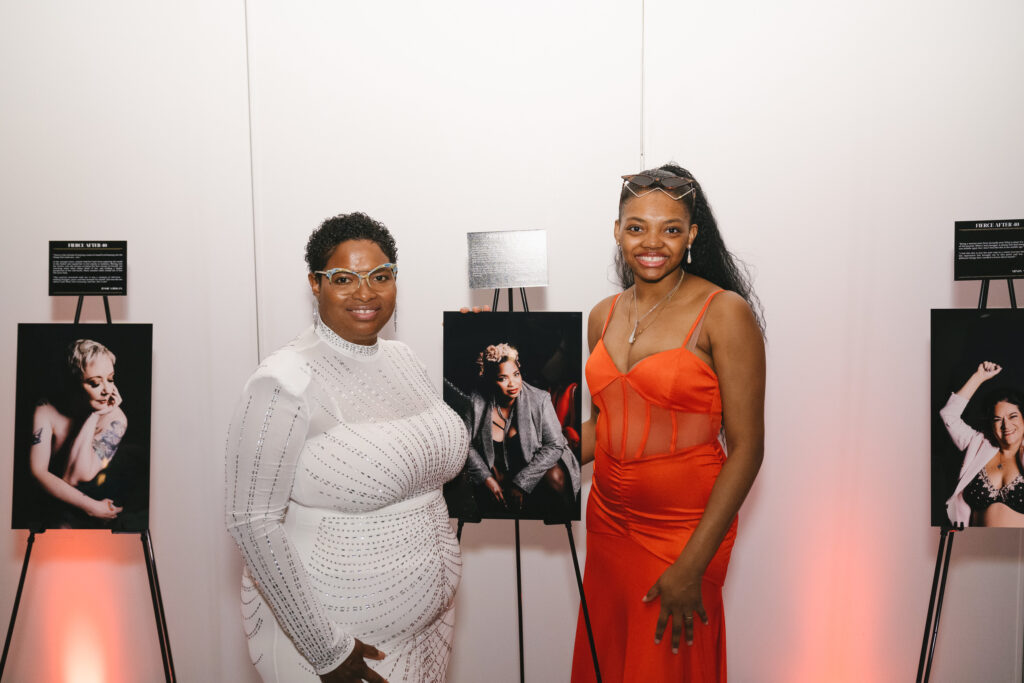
[679, 590]
[516, 498]
[112, 402]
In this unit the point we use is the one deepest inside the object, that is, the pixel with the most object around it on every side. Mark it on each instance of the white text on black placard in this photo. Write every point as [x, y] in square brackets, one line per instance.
[84, 268]
[989, 249]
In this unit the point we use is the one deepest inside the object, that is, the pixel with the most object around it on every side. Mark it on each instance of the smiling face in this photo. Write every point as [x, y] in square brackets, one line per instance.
[98, 382]
[1008, 425]
[356, 317]
[508, 382]
[654, 232]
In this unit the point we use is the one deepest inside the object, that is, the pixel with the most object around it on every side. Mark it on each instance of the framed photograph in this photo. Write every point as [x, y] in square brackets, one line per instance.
[82, 427]
[977, 409]
[515, 380]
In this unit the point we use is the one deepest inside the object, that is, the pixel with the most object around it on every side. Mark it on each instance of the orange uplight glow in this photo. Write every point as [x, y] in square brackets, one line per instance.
[78, 618]
[82, 659]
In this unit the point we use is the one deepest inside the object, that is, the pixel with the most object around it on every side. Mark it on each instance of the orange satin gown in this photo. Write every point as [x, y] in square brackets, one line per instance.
[656, 458]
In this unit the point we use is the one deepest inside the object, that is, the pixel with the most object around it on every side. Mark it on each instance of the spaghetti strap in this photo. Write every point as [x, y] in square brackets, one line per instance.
[610, 310]
[700, 316]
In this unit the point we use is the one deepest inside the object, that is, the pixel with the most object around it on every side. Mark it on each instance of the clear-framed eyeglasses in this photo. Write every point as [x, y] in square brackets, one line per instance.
[380, 279]
[641, 185]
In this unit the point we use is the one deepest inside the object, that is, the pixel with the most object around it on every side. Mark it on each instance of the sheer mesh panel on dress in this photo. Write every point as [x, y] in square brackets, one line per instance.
[612, 404]
[648, 430]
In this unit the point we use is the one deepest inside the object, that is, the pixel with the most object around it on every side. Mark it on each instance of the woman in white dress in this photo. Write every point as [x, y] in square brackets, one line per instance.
[336, 457]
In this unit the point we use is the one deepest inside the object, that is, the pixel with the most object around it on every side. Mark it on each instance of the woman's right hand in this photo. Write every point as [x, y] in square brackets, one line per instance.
[104, 509]
[495, 488]
[987, 370]
[113, 401]
[354, 668]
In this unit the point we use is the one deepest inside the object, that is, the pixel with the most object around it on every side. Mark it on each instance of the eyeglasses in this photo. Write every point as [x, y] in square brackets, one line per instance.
[380, 279]
[641, 185]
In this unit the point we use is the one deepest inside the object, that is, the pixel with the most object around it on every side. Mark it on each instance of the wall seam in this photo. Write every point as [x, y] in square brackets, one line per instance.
[643, 84]
[252, 185]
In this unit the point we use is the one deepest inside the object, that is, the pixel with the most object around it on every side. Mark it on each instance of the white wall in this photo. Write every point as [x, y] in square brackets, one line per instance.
[126, 120]
[837, 144]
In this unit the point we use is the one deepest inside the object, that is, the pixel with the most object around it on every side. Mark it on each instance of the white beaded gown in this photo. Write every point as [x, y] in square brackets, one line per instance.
[336, 457]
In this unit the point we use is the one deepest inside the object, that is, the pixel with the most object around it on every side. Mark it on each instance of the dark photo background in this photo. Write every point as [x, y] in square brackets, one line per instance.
[41, 375]
[550, 357]
[961, 340]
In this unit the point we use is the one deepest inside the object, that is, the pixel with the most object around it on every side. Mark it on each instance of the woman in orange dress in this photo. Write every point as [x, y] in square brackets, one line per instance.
[674, 357]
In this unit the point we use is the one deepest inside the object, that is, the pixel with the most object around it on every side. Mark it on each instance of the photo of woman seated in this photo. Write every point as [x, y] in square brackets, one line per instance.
[514, 381]
[519, 462]
[79, 464]
[990, 488]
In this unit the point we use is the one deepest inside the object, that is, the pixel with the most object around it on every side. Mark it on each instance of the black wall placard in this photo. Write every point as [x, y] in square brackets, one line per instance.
[88, 268]
[989, 249]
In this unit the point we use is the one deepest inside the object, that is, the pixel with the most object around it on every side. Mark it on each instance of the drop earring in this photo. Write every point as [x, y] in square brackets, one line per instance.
[689, 257]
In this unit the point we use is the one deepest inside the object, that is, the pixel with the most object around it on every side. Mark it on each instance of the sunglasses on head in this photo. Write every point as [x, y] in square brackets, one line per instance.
[641, 185]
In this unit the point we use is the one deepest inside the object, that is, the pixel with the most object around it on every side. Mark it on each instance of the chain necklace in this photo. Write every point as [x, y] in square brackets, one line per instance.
[999, 465]
[507, 419]
[636, 312]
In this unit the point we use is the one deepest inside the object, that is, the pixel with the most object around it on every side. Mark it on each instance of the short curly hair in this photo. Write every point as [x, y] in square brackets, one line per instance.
[490, 359]
[342, 228]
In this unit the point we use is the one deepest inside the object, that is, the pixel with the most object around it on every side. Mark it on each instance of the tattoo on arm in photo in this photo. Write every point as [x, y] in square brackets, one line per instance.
[37, 436]
[105, 445]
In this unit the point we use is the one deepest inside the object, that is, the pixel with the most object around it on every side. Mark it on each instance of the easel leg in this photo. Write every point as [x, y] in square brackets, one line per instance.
[17, 601]
[158, 607]
[519, 594]
[583, 600]
[942, 557]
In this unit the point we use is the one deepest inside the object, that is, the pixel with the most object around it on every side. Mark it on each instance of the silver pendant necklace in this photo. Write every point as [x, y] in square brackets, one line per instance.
[636, 312]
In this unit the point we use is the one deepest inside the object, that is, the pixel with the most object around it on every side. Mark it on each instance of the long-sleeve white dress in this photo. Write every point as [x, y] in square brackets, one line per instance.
[336, 457]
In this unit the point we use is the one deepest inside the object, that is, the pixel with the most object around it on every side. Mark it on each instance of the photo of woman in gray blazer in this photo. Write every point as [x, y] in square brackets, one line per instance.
[516, 378]
[519, 463]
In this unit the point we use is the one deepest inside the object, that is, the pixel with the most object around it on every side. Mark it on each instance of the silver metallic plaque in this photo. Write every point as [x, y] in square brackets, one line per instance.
[508, 258]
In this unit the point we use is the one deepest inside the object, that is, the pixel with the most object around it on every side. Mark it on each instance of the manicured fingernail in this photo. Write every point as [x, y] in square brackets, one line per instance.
[657, 641]
[689, 642]
[675, 650]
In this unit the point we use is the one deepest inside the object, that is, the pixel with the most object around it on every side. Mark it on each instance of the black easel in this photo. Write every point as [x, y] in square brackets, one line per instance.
[519, 572]
[522, 296]
[945, 552]
[147, 550]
